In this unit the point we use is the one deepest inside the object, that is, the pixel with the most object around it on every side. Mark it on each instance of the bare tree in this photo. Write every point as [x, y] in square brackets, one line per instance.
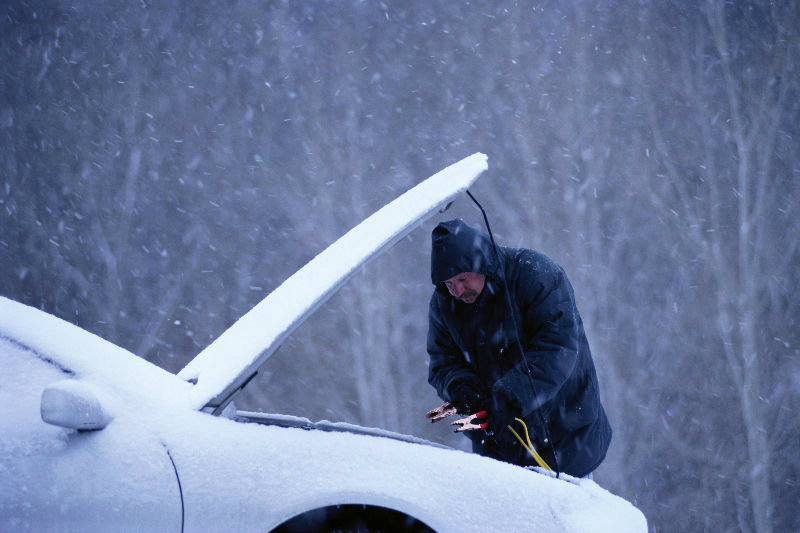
[730, 196]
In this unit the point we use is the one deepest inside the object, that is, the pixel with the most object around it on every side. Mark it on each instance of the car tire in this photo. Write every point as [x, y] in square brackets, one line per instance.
[353, 519]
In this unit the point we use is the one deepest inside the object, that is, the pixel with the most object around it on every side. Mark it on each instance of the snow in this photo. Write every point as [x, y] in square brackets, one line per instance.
[56, 479]
[22, 380]
[243, 347]
[228, 470]
[449, 490]
[80, 351]
[73, 403]
[326, 425]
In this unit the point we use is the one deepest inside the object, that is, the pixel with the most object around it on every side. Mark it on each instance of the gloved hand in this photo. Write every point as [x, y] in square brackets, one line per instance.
[466, 398]
[501, 412]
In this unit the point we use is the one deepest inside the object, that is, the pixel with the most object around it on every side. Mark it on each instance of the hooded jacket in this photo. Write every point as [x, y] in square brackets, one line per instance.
[553, 382]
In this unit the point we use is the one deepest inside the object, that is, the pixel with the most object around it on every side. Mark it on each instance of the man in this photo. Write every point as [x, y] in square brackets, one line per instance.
[505, 336]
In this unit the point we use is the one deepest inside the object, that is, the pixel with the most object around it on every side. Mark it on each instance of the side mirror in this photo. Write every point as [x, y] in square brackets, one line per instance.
[73, 404]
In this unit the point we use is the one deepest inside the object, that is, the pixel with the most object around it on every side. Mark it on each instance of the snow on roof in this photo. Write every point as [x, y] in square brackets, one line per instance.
[87, 355]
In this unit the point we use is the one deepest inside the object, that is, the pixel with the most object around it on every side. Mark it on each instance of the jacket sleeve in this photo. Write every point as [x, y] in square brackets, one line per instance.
[551, 329]
[448, 366]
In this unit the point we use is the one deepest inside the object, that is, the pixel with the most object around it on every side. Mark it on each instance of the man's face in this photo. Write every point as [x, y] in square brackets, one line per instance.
[466, 286]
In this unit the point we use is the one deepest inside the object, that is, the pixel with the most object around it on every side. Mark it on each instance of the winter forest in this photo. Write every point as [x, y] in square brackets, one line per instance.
[165, 165]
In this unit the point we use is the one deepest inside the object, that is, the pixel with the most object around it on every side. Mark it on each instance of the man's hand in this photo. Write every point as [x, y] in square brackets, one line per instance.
[466, 399]
[503, 412]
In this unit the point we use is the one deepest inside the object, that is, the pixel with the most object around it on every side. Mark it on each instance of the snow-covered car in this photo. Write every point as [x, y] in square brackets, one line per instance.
[94, 438]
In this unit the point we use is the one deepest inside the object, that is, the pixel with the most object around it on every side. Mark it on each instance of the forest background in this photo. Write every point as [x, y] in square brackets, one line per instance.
[165, 165]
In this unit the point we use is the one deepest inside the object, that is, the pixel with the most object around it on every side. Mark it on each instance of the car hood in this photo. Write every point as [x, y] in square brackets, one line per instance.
[222, 369]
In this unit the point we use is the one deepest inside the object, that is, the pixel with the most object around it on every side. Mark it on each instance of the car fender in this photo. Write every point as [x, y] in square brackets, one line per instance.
[259, 476]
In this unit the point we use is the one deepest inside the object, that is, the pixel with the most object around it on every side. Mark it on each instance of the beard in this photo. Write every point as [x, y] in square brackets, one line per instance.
[469, 297]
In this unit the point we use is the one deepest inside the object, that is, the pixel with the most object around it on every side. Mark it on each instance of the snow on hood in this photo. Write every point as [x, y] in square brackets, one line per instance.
[449, 490]
[228, 362]
[234, 464]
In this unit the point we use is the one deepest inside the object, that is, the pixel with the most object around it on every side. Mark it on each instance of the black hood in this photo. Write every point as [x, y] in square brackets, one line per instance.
[458, 247]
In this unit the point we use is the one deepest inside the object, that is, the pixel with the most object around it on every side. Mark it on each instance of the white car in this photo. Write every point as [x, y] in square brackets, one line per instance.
[94, 438]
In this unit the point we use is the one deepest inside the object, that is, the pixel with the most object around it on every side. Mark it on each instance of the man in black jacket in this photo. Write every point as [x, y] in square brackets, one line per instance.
[505, 336]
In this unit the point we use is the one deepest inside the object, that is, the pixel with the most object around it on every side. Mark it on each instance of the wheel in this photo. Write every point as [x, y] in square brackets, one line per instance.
[353, 519]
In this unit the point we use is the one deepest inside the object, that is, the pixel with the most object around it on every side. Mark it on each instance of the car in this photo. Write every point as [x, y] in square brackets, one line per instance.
[95, 438]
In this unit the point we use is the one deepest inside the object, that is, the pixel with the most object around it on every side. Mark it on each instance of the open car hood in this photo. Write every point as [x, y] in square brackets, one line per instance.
[222, 369]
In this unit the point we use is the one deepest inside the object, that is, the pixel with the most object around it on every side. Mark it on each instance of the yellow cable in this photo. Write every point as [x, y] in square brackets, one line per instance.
[529, 445]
